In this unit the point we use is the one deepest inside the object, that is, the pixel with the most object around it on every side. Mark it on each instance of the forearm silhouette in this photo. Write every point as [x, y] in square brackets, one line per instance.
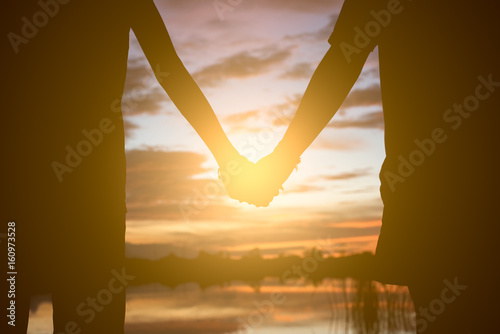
[329, 86]
[155, 41]
[186, 95]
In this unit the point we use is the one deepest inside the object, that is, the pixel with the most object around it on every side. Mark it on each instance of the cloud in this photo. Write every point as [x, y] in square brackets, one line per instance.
[243, 117]
[363, 97]
[347, 175]
[367, 97]
[241, 65]
[367, 210]
[299, 71]
[372, 120]
[321, 35]
[142, 93]
[371, 70]
[298, 235]
[129, 127]
[282, 113]
[163, 185]
[178, 4]
[303, 189]
[301, 6]
[274, 116]
[317, 6]
[322, 143]
[193, 208]
[158, 175]
[358, 225]
[272, 230]
[157, 251]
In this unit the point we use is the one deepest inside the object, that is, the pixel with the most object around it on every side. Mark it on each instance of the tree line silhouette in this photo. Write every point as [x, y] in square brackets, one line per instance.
[363, 306]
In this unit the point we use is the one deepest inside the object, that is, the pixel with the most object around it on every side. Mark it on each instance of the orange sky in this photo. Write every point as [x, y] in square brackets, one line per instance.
[253, 63]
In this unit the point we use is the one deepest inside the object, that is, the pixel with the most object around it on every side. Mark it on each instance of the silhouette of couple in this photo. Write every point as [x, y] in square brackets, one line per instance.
[439, 74]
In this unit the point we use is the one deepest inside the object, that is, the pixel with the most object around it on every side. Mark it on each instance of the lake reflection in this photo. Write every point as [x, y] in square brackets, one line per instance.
[269, 308]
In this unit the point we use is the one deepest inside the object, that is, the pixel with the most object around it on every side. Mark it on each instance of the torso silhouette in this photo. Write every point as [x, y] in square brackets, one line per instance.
[66, 80]
[64, 143]
[439, 178]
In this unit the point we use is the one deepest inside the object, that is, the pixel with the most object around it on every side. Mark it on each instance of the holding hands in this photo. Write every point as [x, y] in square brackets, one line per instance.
[258, 183]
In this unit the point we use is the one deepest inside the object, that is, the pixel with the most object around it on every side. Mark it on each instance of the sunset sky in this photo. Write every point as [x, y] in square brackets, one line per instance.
[253, 64]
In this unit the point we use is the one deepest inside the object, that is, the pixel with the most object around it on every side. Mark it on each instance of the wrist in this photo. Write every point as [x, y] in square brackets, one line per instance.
[224, 154]
[287, 153]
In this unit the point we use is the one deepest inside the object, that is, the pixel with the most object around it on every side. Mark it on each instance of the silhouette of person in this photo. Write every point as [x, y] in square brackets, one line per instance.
[64, 65]
[440, 83]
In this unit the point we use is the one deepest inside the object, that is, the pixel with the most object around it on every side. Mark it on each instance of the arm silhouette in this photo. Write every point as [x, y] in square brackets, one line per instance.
[329, 86]
[327, 90]
[155, 41]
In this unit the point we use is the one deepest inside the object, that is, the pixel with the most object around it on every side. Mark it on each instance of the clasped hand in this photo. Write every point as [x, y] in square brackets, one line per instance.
[258, 183]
